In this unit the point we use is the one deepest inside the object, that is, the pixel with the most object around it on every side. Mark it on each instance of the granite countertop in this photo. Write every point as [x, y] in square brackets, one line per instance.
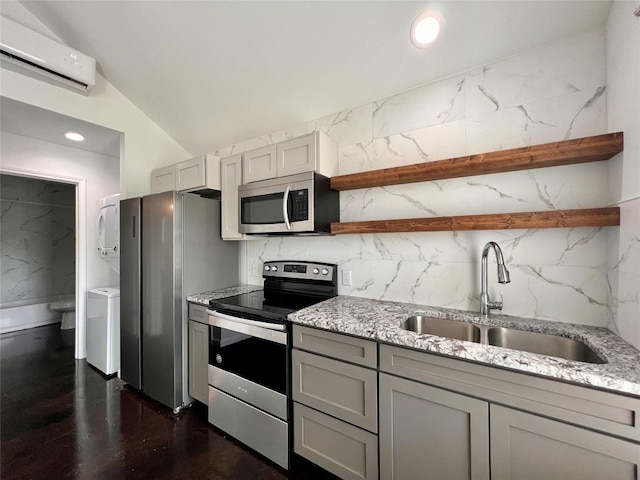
[380, 321]
[204, 297]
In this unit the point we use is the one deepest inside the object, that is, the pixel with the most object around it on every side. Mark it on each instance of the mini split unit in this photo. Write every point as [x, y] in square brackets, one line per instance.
[35, 55]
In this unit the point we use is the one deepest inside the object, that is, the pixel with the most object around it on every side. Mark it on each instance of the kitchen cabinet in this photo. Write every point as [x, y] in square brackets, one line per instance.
[197, 175]
[427, 429]
[163, 179]
[538, 428]
[525, 446]
[230, 179]
[335, 411]
[198, 352]
[313, 152]
[259, 164]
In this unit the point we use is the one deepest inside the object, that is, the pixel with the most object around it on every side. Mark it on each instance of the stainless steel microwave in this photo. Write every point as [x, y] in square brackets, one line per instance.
[301, 204]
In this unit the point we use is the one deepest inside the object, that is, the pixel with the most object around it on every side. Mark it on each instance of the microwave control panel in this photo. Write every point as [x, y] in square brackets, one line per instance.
[300, 203]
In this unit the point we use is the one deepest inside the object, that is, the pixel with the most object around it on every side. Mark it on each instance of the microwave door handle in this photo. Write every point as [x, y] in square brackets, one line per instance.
[285, 201]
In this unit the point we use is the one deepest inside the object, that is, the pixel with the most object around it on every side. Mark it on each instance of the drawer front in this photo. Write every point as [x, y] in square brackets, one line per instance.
[264, 433]
[347, 392]
[340, 448]
[198, 313]
[350, 349]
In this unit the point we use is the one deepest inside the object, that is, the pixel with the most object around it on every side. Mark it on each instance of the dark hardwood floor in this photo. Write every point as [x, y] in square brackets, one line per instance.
[60, 418]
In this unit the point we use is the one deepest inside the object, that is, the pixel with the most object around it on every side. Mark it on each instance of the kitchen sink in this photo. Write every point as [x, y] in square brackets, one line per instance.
[552, 345]
[442, 328]
[533, 342]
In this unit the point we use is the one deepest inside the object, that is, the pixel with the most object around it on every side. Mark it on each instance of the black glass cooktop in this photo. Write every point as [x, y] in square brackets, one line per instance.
[260, 306]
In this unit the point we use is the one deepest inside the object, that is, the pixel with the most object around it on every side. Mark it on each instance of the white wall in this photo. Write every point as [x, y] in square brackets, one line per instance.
[623, 87]
[146, 146]
[545, 95]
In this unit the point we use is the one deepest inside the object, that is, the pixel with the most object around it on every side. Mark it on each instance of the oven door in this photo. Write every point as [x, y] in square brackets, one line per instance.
[274, 206]
[249, 360]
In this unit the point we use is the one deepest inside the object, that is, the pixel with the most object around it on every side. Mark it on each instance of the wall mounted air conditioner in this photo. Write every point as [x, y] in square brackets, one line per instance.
[35, 55]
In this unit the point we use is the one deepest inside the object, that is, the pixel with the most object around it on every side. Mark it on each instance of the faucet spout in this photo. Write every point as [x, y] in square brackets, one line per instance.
[486, 305]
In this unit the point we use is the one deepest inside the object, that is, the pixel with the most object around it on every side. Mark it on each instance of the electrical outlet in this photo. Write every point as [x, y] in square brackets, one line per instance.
[346, 277]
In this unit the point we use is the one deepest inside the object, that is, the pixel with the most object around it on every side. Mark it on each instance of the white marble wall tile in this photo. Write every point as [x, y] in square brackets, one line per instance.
[624, 274]
[430, 247]
[356, 205]
[563, 294]
[432, 104]
[576, 186]
[349, 126]
[573, 115]
[563, 68]
[580, 247]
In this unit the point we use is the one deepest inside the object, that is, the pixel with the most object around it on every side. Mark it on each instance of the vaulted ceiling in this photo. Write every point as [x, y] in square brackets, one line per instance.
[212, 73]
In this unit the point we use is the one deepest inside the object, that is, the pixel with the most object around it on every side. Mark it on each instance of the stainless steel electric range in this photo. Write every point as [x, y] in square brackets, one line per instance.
[249, 354]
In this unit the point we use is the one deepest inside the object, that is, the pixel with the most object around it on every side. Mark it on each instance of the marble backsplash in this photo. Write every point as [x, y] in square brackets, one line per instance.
[550, 94]
[37, 237]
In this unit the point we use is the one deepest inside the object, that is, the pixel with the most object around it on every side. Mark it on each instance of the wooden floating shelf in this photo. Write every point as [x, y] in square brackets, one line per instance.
[566, 152]
[592, 217]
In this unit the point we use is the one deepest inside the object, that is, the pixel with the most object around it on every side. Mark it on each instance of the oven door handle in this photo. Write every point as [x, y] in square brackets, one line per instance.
[285, 213]
[267, 331]
[271, 326]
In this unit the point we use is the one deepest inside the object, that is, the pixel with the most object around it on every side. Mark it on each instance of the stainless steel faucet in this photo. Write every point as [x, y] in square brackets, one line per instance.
[486, 305]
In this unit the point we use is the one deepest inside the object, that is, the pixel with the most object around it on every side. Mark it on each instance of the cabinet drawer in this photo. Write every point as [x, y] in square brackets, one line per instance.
[198, 313]
[347, 392]
[340, 448]
[350, 349]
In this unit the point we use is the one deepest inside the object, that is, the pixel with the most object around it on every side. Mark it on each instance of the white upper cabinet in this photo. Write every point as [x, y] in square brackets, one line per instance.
[315, 152]
[231, 178]
[199, 173]
[163, 179]
[259, 164]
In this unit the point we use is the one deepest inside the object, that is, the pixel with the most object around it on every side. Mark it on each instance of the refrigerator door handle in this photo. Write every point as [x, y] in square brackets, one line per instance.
[133, 226]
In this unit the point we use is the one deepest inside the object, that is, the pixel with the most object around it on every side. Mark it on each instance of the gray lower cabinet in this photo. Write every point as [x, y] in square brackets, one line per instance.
[526, 446]
[335, 410]
[198, 355]
[427, 432]
[347, 451]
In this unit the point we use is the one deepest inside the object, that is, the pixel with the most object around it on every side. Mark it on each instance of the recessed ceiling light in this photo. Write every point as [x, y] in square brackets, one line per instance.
[425, 30]
[76, 137]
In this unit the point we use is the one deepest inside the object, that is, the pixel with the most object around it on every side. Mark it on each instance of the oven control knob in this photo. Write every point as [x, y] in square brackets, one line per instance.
[274, 268]
[325, 271]
[218, 358]
[267, 268]
[316, 271]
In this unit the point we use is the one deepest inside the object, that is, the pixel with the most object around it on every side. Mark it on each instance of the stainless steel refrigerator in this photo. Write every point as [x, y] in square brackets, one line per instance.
[170, 247]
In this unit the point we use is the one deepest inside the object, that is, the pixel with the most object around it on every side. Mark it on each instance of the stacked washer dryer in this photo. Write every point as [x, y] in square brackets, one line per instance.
[103, 304]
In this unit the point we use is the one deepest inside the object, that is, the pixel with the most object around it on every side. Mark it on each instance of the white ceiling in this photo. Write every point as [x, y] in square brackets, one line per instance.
[213, 73]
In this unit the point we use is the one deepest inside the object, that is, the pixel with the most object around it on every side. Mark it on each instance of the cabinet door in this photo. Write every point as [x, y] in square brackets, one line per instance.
[340, 448]
[259, 164]
[163, 179]
[526, 446]
[297, 156]
[347, 392]
[190, 174]
[198, 360]
[231, 177]
[429, 432]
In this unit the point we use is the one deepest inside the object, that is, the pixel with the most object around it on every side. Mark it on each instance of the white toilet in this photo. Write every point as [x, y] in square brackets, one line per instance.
[66, 306]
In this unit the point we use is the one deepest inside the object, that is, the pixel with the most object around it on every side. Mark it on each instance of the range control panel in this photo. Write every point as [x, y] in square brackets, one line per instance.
[300, 270]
